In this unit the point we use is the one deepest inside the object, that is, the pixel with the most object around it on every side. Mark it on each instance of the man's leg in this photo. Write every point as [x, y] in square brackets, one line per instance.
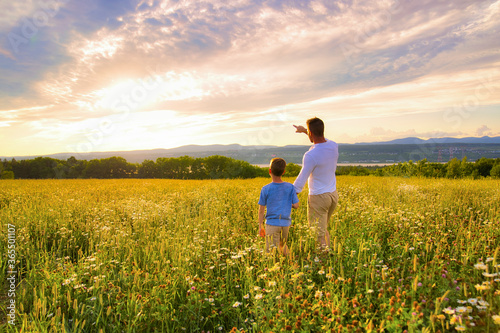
[318, 206]
[335, 200]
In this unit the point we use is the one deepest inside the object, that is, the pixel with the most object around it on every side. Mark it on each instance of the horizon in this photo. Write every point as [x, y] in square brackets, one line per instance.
[100, 76]
[231, 144]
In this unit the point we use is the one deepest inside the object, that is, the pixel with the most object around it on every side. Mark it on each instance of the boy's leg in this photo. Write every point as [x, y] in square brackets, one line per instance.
[283, 240]
[273, 234]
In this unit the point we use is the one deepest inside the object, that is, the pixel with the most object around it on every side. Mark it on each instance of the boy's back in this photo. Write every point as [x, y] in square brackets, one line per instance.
[278, 199]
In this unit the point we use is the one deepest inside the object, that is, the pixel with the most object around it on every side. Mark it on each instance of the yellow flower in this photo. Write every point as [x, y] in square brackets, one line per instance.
[482, 287]
[455, 319]
[496, 319]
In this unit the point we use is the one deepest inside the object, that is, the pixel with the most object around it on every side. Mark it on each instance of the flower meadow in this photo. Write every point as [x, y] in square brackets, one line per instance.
[407, 254]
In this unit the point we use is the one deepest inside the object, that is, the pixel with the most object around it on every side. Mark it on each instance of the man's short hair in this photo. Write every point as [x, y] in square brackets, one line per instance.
[278, 166]
[316, 127]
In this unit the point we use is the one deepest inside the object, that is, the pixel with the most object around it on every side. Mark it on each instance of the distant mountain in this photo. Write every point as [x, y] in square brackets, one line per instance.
[399, 150]
[417, 141]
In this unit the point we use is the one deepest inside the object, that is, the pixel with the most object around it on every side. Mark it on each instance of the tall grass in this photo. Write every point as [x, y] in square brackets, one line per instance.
[174, 255]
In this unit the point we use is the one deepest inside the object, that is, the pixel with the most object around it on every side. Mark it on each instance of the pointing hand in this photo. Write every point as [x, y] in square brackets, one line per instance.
[300, 129]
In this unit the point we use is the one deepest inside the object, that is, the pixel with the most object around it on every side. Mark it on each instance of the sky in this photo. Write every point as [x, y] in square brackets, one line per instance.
[109, 75]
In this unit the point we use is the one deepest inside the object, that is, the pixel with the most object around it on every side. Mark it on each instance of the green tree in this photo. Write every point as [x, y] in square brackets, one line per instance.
[292, 170]
[495, 171]
[483, 166]
[453, 169]
[95, 169]
[7, 174]
[148, 169]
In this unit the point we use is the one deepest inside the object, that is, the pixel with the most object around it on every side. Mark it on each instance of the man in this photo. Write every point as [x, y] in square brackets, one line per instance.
[318, 168]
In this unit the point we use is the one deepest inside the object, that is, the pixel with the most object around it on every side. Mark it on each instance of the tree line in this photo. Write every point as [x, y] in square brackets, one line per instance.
[221, 167]
[185, 167]
[484, 167]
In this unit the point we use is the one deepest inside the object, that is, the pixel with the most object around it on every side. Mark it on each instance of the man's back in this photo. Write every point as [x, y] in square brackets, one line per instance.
[319, 165]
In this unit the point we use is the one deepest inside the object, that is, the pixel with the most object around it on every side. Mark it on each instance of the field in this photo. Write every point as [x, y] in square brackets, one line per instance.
[419, 255]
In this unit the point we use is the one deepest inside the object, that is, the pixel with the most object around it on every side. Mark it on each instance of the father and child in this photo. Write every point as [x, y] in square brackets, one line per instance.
[279, 197]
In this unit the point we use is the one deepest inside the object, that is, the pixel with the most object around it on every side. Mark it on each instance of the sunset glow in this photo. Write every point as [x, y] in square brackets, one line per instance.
[112, 75]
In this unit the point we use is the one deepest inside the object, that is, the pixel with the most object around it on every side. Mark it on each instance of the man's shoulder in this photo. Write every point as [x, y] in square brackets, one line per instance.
[331, 142]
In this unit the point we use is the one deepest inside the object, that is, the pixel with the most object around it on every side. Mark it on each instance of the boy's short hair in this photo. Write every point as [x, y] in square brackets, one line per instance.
[316, 126]
[277, 166]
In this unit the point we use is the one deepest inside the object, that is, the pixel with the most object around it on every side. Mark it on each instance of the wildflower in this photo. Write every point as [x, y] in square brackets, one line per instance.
[258, 296]
[449, 311]
[461, 302]
[440, 316]
[247, 296]
[483, 303]
[211, 300]
[318, 294]
[461, 309]
[272, 283]
[482, 287]
[460, 328]
[321, 272]
[256, 288]
[236, 304]
[472, 301]
[369, 291]
[490, 274]
[489, 259]
[480, 266]
[496, 319]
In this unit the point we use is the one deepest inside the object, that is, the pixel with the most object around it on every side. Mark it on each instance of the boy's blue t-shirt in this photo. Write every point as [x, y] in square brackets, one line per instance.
[278, 199]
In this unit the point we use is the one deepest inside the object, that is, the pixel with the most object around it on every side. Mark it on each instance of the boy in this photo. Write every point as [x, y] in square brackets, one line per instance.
[279, 198]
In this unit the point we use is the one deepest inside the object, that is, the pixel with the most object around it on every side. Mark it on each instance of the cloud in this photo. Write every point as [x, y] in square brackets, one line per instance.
[484, 131]
[343, 60]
